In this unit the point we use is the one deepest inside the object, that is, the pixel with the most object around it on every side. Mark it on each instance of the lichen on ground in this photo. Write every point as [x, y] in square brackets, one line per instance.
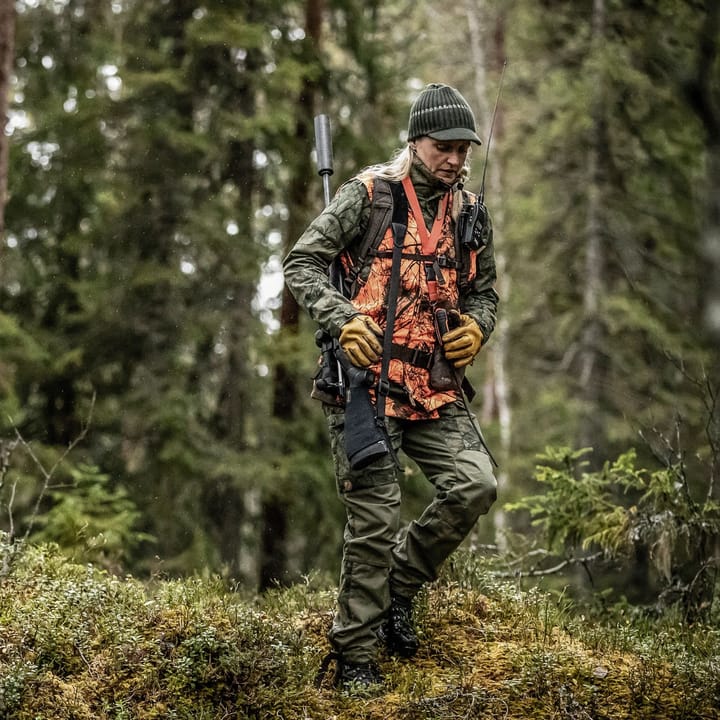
[79, 644]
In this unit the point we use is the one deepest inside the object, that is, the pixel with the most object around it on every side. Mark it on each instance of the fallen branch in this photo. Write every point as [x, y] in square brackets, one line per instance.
[539, 572]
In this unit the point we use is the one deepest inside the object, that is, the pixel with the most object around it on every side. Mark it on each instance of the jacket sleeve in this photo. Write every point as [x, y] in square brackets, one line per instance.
[306, 265]
[480, 301]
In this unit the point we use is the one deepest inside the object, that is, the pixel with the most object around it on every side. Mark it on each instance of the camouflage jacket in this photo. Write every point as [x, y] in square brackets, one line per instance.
[340, 226]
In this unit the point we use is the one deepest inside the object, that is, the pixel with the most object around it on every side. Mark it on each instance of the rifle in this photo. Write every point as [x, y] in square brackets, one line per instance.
[338, 379]
[328, 386]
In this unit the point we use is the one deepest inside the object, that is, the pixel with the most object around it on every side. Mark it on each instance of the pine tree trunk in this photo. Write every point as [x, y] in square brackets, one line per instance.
[594, 280]
[705, 99]
[7, 52]
[274, 559]
[496, 392]
[711, 240]
[235, 512]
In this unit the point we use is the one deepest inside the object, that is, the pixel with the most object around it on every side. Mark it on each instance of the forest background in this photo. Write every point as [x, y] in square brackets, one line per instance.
[154, 377]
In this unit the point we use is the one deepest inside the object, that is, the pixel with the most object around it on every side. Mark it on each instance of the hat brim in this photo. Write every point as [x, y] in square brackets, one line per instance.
[455, 134]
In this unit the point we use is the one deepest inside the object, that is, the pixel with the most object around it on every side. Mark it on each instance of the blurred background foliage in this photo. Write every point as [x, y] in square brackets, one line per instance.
[161, 163]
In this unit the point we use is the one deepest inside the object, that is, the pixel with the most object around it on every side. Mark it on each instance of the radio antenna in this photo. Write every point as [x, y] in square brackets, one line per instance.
[490, 133]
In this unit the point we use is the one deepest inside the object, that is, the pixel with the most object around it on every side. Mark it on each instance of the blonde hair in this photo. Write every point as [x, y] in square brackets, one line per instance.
[398, 168]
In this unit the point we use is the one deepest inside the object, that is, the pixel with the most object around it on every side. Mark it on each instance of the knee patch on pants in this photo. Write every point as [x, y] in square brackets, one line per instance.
[477, 485]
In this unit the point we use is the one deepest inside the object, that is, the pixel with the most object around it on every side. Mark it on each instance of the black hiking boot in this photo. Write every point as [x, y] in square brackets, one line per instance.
[398, 632]
[351, 678]
[358, 678]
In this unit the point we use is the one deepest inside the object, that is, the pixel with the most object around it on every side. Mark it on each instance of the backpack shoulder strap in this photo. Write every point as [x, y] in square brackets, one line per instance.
[380, 215]
[388, 204]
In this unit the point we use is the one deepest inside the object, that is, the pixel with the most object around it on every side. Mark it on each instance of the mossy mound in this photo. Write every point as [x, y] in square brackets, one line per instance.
[77, 644]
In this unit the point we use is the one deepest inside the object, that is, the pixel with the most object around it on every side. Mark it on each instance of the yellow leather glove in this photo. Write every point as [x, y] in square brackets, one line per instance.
[359, 339]
[462, 344]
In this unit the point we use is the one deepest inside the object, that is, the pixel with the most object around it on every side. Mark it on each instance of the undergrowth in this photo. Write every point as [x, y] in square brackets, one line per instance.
[77, 643]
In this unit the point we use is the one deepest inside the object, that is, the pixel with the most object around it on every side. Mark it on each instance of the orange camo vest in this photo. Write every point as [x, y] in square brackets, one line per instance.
[414, 322]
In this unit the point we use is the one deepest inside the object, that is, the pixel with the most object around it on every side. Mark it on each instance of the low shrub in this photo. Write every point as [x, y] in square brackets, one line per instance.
[77, 643]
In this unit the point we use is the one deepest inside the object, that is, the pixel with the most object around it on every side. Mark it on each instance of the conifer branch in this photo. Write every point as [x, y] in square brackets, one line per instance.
[6, 449]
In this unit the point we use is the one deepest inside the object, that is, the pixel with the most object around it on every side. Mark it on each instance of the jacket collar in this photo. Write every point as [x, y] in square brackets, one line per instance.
[427, 186]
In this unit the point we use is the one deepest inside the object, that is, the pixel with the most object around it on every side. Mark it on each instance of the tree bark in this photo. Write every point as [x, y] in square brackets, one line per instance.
[705, 99]
[496, 391]
[274, 563]
[594, 280]
[7, 53]
[235, 511]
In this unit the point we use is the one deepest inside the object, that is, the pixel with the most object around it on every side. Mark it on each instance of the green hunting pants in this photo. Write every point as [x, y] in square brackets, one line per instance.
[380, 558]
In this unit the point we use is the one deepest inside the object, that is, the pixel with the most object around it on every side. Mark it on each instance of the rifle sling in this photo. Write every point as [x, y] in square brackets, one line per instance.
[399, 229]
[383, 382]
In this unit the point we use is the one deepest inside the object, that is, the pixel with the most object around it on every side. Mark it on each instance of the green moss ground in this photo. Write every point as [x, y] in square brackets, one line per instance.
[78, 644]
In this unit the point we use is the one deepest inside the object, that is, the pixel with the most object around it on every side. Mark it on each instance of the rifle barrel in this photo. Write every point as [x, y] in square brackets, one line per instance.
[323, 150]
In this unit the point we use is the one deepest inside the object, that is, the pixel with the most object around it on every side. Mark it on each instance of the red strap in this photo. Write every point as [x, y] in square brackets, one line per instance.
[431, 239]
[428, 240]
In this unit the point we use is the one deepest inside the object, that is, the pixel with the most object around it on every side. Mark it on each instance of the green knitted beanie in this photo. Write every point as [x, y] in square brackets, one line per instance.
[441, 112]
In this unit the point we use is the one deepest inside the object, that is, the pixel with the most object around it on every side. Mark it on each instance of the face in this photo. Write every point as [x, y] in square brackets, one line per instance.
[444, 158]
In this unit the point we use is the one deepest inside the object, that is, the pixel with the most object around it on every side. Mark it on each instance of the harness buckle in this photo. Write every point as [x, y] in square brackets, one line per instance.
[413, 359]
